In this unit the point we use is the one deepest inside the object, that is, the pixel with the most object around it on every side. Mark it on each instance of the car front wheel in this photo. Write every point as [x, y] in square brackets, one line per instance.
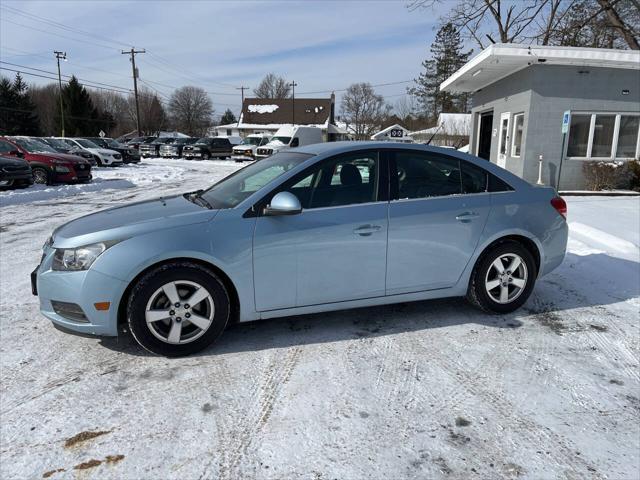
[178, 309]
[40, 176]
[503, 278]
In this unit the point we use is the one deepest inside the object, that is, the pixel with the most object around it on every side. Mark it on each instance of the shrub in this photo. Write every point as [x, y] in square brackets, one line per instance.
[612, 175]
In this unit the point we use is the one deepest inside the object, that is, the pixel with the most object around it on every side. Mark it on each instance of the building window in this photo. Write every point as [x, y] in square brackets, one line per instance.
[518, 126]
[628, 136]
[504, 135]
[604, 136]
[229, 132]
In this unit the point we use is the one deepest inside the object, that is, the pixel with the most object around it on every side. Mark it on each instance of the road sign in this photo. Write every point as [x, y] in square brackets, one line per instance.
[102, 134]
[565, 121]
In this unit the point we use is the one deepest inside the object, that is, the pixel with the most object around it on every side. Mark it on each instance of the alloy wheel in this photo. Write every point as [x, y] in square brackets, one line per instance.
[506, 278]
[180, 312]
[40, 176]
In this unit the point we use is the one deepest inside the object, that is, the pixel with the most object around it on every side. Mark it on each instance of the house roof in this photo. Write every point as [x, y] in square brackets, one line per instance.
[269, 111]
[385, 132]
[451, 124]
[502, 59]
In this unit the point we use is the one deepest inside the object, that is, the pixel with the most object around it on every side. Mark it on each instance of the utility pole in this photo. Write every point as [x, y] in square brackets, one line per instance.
[60, 55]
[242, 88]
[293, 86]
[132, 53]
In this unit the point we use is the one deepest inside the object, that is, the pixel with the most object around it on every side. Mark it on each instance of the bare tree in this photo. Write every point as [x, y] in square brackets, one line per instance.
[191, 110]
[116, 106]
[547, 22]
[45, 99]
[273, 86]
[363, 110]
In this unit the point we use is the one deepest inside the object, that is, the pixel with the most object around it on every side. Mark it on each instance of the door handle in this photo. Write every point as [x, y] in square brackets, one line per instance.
[366, 230]
[466, 217]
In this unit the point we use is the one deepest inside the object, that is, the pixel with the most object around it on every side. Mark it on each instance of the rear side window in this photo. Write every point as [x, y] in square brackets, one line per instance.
[497, 185]
[424, 175]
[474, 179]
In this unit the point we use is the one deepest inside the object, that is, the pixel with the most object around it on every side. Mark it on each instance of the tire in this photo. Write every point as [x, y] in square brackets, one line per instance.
[148, 295]
[206, 156]
[41, 176]
[486, 274]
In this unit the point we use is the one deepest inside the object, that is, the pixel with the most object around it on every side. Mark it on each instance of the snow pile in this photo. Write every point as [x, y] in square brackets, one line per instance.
[262, 108]
[38, 193]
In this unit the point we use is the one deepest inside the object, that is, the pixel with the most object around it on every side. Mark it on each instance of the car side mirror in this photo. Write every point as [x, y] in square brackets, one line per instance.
[283, 203]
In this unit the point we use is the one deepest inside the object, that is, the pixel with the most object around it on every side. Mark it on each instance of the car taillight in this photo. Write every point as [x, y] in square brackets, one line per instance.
[560, 205]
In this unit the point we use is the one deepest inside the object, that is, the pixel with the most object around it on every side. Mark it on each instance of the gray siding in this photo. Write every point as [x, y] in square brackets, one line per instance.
[543, 93]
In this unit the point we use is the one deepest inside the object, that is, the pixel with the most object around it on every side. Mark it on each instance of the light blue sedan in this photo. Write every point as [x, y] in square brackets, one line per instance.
[324, 227]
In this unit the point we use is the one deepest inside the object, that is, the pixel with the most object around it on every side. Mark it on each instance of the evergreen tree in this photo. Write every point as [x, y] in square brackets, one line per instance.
[447, 56]
[228, 117]
[81, 118]
[17, 111]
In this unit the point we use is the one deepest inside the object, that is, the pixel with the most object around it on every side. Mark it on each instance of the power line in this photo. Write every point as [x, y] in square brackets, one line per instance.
[54, 78]
[345, 89]
[62, 26]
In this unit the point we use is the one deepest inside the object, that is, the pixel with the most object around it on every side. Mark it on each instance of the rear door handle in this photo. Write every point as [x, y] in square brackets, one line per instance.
[467, 216]
[366, 230]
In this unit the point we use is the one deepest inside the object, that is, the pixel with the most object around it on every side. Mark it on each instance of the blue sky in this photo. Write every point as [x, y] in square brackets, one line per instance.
[220, 45]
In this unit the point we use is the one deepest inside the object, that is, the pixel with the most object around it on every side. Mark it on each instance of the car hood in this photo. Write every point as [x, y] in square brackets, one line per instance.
[14, 162]
[130, 220]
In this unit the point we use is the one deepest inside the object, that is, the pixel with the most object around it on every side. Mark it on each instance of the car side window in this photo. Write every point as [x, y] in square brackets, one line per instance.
[348, 179]
[295, 142]
[425, 175]
[474, 178]
[6, 147]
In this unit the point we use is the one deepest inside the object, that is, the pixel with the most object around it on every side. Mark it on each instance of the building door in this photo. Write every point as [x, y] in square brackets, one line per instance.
[484, 135]
[503, 139]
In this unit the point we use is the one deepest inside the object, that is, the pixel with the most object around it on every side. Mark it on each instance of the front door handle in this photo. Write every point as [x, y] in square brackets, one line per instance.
[366, 230]
[466, 217]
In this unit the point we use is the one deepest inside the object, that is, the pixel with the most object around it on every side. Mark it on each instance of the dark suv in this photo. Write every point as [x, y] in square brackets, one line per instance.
[129, 154]
[152, 149]
[206, 148]
[174, 150]
[136, 142]
[47, 165]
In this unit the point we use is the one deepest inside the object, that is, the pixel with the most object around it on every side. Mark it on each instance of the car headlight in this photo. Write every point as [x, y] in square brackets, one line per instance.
[81, 258]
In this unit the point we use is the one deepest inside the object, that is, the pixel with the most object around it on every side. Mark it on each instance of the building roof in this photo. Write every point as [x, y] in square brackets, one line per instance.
[384, 133]
[502, 59]
[450, 124]
[272, 111]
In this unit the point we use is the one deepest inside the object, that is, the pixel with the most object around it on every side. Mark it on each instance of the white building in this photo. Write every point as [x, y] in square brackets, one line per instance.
[452, 130]
[393, 133]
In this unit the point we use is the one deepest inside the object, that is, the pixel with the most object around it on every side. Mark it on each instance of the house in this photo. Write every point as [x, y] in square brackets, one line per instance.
[393, 133]
[563, 105]
[267, 115]
[451, 130]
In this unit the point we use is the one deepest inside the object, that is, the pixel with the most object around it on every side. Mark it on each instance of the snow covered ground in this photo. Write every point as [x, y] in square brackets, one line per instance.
[424, 390]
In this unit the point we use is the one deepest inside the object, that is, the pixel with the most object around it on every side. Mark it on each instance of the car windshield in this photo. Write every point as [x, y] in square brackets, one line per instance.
[54, 142]
[33, 146]
[86, 143]
[232, 190]
[251, 141]
[149, 140]
[284, 140]
[181, 141]
[110, 142]
[203, 141]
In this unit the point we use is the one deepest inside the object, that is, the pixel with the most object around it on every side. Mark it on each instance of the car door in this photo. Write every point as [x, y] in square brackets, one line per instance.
[335, 249]
[439, 206]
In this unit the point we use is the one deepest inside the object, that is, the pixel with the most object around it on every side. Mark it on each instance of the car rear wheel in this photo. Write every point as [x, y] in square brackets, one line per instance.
[503, 278]
[178, 309]
[40, 176]
[206, 156]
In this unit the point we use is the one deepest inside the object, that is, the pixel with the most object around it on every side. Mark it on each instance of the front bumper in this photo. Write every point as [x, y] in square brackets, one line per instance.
[85, 289]
[12, 177]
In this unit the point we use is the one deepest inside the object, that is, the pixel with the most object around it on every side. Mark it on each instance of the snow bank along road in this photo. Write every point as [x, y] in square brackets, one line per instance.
[424, 390]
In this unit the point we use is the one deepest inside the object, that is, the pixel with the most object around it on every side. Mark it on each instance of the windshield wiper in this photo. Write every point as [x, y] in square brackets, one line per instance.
[196, 197]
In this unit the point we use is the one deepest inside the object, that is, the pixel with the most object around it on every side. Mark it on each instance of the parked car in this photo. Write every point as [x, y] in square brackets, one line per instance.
[152, 149]
[324, 227]
[290, 136]
[247, 149]
[103, 156]
[208, 147]
[47, 165]
[174, 149]
[136, 142]
[63, 147]
[129, 155]
[15, 172]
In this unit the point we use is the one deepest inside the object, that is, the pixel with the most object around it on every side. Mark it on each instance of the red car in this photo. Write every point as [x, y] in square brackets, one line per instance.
[48, 166]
